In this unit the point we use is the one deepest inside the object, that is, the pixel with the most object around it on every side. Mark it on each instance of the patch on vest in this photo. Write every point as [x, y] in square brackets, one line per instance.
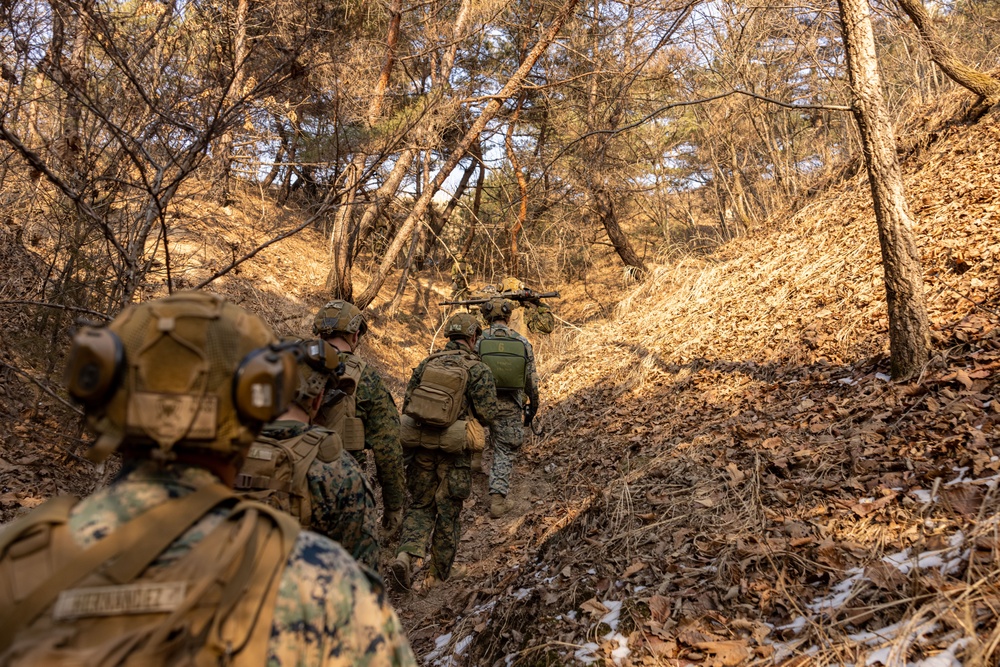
[144, 598]
[260, 453]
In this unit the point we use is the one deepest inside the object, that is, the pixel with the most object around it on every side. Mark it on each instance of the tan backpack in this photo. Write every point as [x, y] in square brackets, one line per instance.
[432, 410]
[342, 418]
[275, 471]
[63, 605]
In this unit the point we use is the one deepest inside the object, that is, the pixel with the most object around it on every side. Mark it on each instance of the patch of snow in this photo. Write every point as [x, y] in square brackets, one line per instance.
[522, 593]
[571, 615]
[795, 626]
[462, 645]
[848, 381]
[439, 645]
[591, 571]
[622, 652]
[961, 476]
[883, 377]
[879, 656]
[587, 654]
[923, 495]
[946, 658]
[611, 618]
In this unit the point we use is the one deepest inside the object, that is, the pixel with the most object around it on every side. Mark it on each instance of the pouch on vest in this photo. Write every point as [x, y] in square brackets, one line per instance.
[104, 606]
[439, 399]
[540, 319]
[451, 440]
[276, 471]
[507, 358]
[342, 418]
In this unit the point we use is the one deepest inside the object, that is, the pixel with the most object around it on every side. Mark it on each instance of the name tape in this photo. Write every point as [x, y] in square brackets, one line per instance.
[143, 598]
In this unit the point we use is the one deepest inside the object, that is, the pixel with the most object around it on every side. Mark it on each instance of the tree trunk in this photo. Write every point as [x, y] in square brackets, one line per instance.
[606, 211]
[980, 83]
[522, 186]
[339, 281]
[909, 330]
[511, 88]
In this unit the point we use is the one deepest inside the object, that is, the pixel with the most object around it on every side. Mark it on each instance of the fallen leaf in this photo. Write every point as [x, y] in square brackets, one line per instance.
[594, 608]
[637, 566]
[964, 378]
[728, 653]
[659, 608]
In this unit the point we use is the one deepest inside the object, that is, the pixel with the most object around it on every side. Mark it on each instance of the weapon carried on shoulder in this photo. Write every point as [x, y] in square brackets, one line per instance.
[521, 295]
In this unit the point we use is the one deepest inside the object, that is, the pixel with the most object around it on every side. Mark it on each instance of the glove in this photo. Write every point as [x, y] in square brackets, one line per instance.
[529, 412]
[391, 521]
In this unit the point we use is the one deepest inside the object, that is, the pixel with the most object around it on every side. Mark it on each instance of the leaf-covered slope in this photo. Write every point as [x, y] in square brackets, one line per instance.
[729, 477]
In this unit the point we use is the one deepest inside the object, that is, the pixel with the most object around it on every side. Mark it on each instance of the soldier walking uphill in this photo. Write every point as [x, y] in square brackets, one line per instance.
[167, 566]
[510, 357]
[304, 470]
[368, 419]
[449, 396]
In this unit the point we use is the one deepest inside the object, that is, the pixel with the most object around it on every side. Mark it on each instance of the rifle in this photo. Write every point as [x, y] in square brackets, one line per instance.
[520, 296]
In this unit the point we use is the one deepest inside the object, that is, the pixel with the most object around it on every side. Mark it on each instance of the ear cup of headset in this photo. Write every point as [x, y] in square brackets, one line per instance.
[264, 384]
[95, 366]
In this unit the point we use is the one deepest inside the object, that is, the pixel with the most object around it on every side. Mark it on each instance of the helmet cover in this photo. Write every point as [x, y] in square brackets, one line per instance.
[181, 354]
[339, 317]
[462, 325]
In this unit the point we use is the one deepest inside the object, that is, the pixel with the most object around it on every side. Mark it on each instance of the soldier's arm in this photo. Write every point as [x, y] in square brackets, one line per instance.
[531, 381]
[482, 394]
[343, 507]
[378, 412]
[331, 612]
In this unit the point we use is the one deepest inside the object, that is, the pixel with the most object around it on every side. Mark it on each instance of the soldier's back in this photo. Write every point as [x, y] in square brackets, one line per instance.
[328, 610]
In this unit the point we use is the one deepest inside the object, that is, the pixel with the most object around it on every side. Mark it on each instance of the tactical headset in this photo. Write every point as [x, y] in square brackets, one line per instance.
[493, 310]
[263, 383]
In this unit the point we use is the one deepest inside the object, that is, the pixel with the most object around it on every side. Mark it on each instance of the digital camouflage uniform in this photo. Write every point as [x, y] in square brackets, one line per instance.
[507, 434]
[375, 408]
[343, 504]
[328, 611]
[439, 482]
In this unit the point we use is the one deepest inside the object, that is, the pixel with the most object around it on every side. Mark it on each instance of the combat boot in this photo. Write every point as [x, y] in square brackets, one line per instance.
[400, 570]
[498, 505]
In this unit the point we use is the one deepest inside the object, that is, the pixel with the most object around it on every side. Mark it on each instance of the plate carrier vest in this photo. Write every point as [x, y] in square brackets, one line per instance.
[62, 604]
[343, 419]
[276, 471]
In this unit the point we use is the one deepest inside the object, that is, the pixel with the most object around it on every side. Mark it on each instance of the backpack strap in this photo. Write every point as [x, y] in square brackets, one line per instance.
[246, 607]
[135, 544]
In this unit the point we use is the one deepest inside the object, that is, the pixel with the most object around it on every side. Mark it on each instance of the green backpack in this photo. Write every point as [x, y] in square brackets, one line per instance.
[507, 358]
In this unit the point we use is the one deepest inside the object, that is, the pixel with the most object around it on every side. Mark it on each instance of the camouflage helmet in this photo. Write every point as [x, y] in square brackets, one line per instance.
[511, 284]
[339, 317]
[462, 325]
[190, 371]
[496, 309]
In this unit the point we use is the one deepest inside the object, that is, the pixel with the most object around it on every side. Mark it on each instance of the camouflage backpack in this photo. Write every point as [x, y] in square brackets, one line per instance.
[540, 319]
[62, 604]
[434, 410]
[275, 471]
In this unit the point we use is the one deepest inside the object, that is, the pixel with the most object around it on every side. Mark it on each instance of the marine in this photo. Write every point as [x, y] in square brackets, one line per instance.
[181, 387]
[439, 472]
[369, 419]
[332, 497]
[517, 406]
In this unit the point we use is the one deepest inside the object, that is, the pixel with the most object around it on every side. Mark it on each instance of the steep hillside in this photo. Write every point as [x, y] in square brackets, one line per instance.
[727, 476]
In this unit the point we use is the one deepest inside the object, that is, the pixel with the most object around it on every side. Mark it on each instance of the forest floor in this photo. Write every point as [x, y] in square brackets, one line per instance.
[726, 474]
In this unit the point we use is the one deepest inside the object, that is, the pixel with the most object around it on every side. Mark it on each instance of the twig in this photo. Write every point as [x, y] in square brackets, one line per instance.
[324, 207]
[56, 305]
[43, 388]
